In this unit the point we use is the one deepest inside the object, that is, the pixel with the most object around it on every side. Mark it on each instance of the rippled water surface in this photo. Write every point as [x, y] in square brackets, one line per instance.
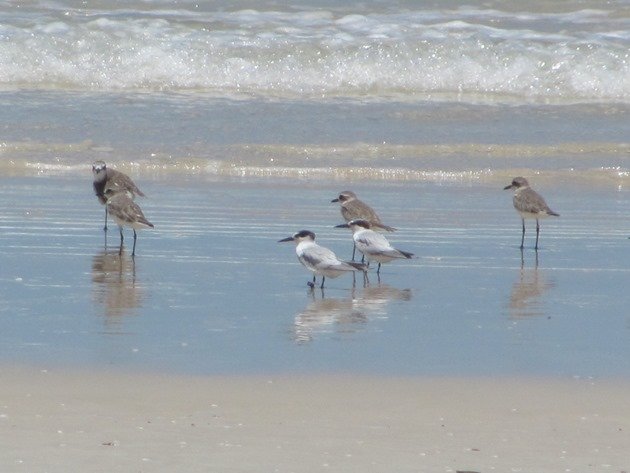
[211, 290]
[242, 120]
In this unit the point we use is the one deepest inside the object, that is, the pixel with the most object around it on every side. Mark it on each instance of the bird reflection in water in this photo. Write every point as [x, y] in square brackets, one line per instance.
[344, 315]
[528, 291]
[115, 287]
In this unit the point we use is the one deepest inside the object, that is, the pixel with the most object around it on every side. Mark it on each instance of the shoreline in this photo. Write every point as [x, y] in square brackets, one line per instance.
[60, 420]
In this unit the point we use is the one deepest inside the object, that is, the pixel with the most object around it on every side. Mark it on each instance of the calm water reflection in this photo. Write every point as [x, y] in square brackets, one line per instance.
[115, 287]
[344, 315]
[529, 289]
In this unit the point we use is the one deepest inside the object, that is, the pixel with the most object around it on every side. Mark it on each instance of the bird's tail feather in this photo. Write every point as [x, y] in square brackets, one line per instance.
[382, 226]
[359, 266]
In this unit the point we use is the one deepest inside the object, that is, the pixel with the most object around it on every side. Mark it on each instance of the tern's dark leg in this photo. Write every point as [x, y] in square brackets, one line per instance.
[105, 227]
[354, 249]
[378, 269]
[133, 252]
[523, 235]
[537, 233]
[323, 279]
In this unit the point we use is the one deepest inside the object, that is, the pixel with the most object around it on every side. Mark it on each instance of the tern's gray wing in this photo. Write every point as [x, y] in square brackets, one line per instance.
[373, 243]
[321, 258]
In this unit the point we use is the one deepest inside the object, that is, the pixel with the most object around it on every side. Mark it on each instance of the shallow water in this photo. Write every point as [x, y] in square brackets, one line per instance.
[242, 121]
[211, 290]
[160, 135]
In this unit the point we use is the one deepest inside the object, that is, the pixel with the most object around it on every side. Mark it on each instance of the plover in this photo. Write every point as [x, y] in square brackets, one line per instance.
[352, 208]
[319, 259]
[117, 181]
[373, 245]
[126, 213]
[529, 204]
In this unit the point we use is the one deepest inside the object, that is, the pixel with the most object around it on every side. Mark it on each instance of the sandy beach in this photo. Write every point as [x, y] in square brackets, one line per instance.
[57, 421]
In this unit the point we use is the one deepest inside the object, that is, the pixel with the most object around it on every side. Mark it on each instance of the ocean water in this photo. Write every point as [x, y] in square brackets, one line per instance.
[522, 51]
[242, 120]
[421, 91]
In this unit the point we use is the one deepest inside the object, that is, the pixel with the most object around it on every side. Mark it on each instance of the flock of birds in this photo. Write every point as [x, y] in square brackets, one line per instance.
[117, 192]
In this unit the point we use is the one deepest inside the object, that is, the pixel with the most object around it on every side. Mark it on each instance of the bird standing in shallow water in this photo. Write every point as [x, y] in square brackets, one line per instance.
[373, 245]
[116, 181]
[352, 208]
[126, 213]
[529, 204]
[319, 259]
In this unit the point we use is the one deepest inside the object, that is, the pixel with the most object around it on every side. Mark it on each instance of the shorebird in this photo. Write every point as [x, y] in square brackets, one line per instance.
[319, 259]
[373, 245]
[352, 208]
[126, 213]
[529, 204]
[106, 178]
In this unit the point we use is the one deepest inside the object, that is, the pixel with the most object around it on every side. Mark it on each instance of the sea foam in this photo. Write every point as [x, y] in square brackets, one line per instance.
[579, 55]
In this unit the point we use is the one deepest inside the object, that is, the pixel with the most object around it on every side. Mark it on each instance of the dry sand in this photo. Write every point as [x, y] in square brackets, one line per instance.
[54, 421]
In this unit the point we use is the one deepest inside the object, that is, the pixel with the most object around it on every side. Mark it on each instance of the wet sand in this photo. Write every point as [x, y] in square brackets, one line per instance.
[59, 421]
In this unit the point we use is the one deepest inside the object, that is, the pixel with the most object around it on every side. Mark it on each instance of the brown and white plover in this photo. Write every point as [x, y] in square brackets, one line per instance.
[352, 208]
[126, 213]
[106, 178]
[529, 204]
